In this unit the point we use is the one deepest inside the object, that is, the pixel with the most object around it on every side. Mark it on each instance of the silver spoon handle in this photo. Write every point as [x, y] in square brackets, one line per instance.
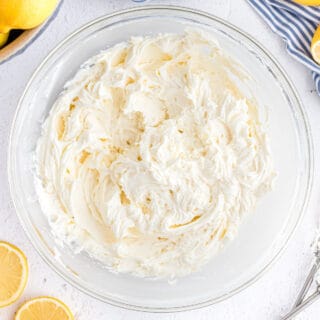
[302, 306]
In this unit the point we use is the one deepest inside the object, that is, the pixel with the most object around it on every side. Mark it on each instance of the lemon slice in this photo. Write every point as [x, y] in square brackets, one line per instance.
[13, 273]
[44, 308]
[315, 46]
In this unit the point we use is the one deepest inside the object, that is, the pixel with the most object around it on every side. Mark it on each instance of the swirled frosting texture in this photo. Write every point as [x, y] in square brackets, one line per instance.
[151, 155]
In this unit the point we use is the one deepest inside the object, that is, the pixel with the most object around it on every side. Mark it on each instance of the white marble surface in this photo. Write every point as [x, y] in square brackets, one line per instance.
[267, 299]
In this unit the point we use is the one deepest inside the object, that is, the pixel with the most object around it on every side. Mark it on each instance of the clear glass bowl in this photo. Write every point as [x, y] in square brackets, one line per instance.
[263, 234]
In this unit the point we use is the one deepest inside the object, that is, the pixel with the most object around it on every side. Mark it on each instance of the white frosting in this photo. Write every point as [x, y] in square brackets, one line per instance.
[152, 155]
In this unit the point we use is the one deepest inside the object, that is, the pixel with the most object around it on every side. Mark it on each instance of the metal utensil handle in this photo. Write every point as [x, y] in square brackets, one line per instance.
[307, 283]
[302, 306]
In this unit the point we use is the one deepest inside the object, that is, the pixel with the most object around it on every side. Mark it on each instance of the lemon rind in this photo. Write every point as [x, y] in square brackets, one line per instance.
[24, 278]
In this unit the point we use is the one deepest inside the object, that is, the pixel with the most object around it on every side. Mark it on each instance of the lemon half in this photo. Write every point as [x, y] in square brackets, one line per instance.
[13, 273]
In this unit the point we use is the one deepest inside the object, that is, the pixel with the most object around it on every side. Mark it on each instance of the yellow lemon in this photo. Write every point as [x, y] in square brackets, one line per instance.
[315, 46]
[308, 2]
[3, 38]
[23, 14]
[13, 273]
[44, 308]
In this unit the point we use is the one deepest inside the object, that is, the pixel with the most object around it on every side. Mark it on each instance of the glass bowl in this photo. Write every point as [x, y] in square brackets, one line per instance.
[262, 235]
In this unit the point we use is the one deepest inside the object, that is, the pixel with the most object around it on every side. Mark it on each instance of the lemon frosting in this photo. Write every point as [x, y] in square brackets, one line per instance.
[152, 155]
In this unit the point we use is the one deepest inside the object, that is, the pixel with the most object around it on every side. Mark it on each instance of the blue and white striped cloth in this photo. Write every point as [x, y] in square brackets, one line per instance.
[296, 24]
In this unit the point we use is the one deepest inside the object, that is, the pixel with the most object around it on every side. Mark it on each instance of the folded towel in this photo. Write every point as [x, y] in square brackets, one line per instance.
[296, 24]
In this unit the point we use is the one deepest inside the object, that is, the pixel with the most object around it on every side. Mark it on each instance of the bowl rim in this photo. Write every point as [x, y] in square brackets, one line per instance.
[279, 252]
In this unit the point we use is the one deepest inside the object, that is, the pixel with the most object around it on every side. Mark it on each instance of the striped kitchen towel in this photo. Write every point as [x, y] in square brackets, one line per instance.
[296, 24]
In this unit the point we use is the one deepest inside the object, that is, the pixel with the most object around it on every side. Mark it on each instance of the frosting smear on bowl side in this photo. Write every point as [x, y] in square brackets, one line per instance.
[151, 155]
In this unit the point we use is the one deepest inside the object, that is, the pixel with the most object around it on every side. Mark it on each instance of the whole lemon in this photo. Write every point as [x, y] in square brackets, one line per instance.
[308, 2]
[315, 45]
[3, 38]
[23, 14]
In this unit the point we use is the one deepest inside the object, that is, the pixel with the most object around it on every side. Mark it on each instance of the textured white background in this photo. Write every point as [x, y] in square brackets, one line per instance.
[271, 296]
